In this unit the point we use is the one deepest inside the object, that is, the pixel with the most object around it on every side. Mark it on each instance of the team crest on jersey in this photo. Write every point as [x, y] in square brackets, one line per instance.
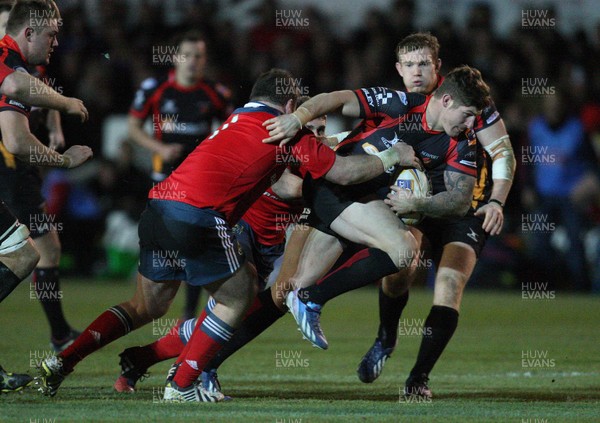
[390, 143]
[491, 118]
[403, 98]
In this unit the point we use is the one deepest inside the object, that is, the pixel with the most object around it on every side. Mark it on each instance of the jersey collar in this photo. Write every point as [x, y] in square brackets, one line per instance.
[9, 43]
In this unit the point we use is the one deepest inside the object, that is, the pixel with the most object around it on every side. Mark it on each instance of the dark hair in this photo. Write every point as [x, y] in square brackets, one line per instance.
[31, 13]
[6, 5]
[466, 87]
[418, 41]
[192, 35]
[276, 86]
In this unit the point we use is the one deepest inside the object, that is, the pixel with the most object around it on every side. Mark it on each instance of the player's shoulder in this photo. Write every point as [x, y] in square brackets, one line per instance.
[489, 115]
[220, 88]
[152, 83]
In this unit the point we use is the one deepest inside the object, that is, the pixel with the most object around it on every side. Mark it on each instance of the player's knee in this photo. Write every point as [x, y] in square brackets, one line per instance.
[27, 258]
[405, 249]
[450, 283]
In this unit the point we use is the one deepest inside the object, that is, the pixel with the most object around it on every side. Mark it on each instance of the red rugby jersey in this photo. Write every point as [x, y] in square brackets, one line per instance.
[232, 168]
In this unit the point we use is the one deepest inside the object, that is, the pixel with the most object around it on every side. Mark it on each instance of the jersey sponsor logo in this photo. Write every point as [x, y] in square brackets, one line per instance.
[473, 235]
[403, 98]
[468, 163]
[493, 116]
[429, 155]
[470, 155]
[368, 97]
[16, 103]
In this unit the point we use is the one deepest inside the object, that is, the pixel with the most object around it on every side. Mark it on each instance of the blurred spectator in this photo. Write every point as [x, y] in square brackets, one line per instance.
[557, 152]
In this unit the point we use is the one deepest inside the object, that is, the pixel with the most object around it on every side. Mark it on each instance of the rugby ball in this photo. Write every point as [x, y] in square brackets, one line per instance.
[417, 182]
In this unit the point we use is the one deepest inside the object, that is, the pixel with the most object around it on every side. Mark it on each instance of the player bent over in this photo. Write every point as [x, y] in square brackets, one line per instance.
[439, 121]
[189, 216]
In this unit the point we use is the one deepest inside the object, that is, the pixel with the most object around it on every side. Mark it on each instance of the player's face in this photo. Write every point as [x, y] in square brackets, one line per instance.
[317, 126]
[193, 59]
[418, 70]
[456, 119]
[42, 43]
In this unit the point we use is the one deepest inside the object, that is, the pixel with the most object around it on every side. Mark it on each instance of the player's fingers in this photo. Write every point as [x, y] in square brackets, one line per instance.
[271, 139]
[395, 188]
[268, 122]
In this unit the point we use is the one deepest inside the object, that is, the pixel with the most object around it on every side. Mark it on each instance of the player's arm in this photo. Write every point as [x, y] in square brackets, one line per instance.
[496, 142]
[288, 186]
[137, 134]
[454, 202]
[286, 126]
[349, 170]
[19, 141]
[18, 86]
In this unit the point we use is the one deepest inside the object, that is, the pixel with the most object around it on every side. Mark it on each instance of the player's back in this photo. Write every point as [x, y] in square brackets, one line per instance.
[230, 169]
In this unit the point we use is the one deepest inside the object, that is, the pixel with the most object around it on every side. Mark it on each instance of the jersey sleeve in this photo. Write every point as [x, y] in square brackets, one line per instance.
[10, 105]
[489, 115]
[314, 157]
[4, 72]
[461, 157]
[381, 102]
[141, 106]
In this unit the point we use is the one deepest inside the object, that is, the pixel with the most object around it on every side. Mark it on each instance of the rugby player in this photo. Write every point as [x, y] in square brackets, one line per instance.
[437, 123]
[221, 179]
[262, 234]
[30, 42]
[455, 243]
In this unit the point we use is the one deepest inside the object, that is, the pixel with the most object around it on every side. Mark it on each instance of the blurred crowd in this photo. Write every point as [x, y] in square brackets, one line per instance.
[546, 86]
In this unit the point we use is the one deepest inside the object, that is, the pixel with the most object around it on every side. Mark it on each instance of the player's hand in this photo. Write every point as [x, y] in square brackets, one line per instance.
[170, 152]
[57, 139]
[76, 107]
[400, 200]
[408, 156]
[282, 128]
[493, 218]
[77, 155]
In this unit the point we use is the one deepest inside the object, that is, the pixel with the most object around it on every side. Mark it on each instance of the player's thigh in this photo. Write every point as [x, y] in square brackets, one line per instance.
[455, 268]
[373, 224]
[48, 246]
[319, 254]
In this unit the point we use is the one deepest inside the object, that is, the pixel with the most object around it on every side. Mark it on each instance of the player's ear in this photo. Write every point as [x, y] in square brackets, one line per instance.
[28, 33]
[399, 69]
[438, 65]
[447, 100]
[290, 106]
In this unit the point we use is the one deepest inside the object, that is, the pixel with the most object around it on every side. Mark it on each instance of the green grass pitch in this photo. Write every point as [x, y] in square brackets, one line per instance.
[511, 360]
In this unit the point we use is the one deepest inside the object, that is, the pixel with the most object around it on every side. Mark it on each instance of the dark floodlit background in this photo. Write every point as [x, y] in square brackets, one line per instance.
[541, 59]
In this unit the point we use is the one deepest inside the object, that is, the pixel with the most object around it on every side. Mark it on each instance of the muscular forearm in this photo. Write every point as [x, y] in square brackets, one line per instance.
[355, 169]
[32, 151]
[501, 189]
[443, 204]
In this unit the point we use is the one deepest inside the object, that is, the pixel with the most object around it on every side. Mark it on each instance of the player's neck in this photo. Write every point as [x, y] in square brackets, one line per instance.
[432, 115]
[187, 82]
